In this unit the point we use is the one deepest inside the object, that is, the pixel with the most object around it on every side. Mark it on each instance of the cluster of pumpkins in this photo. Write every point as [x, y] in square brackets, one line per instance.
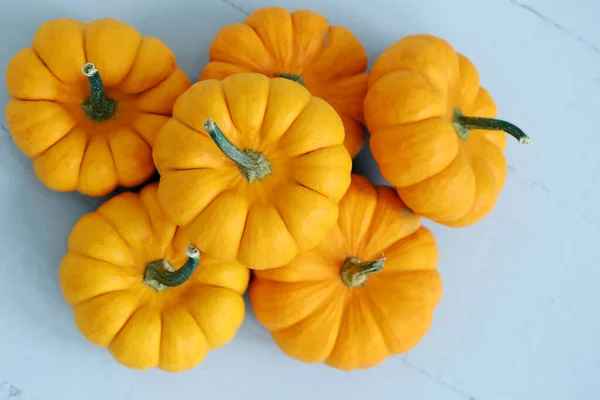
[255, 189]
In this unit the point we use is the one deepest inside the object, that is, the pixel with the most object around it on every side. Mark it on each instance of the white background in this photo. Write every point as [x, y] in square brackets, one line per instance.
[520, 317]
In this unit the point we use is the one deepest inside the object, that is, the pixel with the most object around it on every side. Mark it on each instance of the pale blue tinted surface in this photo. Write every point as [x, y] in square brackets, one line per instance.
[519, 317]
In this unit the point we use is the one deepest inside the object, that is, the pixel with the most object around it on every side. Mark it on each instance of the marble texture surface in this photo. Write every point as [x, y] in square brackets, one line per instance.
[518, 320]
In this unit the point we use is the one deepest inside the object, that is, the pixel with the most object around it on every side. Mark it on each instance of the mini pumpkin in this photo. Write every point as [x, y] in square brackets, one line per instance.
[253, 167]
[345, 303]
[300, 45]
[87, 100]
[119, 276]
[433, 132]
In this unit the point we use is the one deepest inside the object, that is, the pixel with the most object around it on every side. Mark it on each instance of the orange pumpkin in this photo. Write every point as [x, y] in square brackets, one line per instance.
[253, 167]
[119, 278]
[344, 303]
[329, 60]
[432, 131]
[85, 132]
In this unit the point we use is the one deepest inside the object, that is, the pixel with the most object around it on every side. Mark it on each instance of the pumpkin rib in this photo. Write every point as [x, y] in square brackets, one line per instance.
[287, 228]
[137, 51]
[53, 173]
[247, 29]
[74, 305]
[381, 320]
[263, 135]
[139, 308]
[187, 310]
[100, 212]
[354, 307]
[85, 149]
[236, 133]
[262, 41]
[48, 68]
[134, 130]
[295, 181]
[194, 316]
[140, 206]
[403, 125]
[160, 363]
[323, 303]
[296, 330]
[167, 76]
[35, 157]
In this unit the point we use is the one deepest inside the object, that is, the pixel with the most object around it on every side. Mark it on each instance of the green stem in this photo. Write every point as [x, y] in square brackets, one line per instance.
[464, 124]
[355, 271]
[292, 77]
[160, 274]
[252, 164]
[97, 106]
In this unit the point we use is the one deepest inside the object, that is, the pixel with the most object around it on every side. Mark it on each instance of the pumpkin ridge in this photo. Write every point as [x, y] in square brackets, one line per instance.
[132, 129]
[347, 299]
[267, 50]
[136, 310]
[78, 253]
[276, 208]
[137, 52]
[85, 149]
[74, 305]
[100, 211]
[112, 157]
[110, 149]
[47, 67]
[162, 322]
[131, 68]
[239, 63]
[392, 245]
[295, 181]
[368, 229]
[35, 157]
[186, 308]
[381, 321]
[153, 228]
[240, 134]
[403, 125]
[324, 303]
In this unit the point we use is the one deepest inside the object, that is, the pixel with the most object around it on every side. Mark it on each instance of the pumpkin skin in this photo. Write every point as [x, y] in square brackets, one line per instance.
[102, 278]
[315, 316]
[228, 215]
[420, 91]
[70, 148]
[329, 60]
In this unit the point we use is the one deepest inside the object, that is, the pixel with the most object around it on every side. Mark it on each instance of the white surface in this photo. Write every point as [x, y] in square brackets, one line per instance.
[519, 318]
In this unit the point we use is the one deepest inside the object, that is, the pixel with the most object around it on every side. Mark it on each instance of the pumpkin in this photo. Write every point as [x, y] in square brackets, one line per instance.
[433, 132]
[368, 291]
[253, 167]
[120, 279]
[300, 45]
[87, 100]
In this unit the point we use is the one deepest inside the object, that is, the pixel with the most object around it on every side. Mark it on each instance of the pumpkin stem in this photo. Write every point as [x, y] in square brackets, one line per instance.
[292, 77]
[355, 271]
[160, 274]
[464, 124]
[97, 106]
[252, 164]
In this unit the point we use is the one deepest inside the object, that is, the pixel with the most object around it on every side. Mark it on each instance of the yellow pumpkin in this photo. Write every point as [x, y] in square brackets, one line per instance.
[433, 131]
[368, 291]
[300, 45]
[253, 167]
[87, 100]
[119, 277]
